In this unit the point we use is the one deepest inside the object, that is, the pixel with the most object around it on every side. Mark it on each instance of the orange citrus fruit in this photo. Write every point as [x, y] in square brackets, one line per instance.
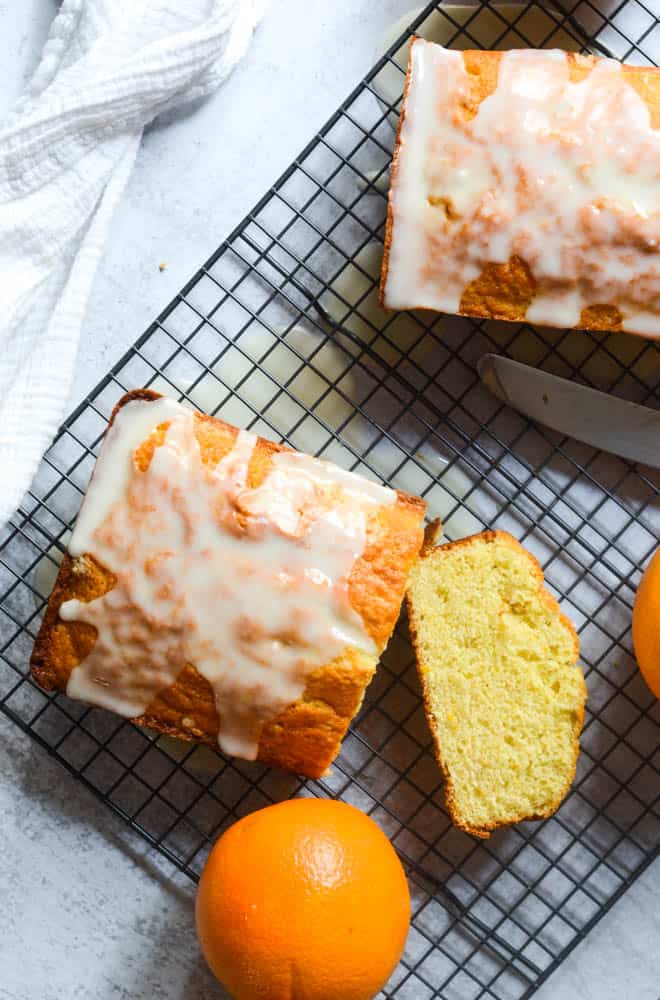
[303, 900]
[646, 624]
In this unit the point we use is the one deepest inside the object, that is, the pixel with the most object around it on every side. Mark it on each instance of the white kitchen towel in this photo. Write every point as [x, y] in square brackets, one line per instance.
[109, 67]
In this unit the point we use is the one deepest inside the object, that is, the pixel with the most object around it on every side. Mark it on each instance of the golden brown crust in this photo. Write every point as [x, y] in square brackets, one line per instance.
[505, 291]
[60, 646]
[306, 736]
[502, 291]
[458, 820]
[579, 66]
[483, 70]
[601, 318]
[432, 536]
[647, 84]
[394, 537]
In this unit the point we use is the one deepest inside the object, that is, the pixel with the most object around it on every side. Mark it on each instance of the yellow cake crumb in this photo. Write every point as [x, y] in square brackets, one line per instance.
[504, 695]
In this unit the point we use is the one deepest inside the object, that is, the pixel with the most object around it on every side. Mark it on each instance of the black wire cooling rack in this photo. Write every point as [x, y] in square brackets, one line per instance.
[280, 332]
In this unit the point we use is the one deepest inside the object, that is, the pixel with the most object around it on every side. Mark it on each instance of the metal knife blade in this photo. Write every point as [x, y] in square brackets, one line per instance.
[603, 421]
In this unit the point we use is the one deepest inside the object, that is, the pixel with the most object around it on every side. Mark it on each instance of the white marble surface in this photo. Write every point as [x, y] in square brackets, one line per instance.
[88, 911]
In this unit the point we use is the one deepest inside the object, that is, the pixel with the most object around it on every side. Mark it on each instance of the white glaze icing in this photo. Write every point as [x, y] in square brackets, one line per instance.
[565, 175]
[248, 584]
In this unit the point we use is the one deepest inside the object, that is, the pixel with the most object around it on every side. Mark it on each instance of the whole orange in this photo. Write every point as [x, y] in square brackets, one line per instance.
[304, 900]
[646, 624]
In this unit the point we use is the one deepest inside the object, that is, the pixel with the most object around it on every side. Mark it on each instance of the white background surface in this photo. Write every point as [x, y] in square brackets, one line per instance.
[86, 910]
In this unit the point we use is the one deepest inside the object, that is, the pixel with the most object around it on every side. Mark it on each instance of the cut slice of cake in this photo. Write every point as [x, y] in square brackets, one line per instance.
[503, 691]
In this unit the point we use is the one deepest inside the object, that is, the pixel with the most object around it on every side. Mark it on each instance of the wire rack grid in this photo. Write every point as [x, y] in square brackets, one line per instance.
[280, 332]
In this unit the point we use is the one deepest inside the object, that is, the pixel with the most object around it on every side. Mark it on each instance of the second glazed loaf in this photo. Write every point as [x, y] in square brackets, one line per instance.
[525, 186]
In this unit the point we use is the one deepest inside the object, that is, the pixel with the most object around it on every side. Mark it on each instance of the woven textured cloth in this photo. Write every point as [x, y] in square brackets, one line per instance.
[109, 67]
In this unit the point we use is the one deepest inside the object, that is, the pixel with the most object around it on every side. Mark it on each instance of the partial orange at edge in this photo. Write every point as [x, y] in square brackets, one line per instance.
[646, 624]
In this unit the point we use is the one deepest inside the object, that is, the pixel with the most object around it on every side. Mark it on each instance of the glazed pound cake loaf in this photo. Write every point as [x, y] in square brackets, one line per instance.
[222, 588]
[504, 695]
[525, 185]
